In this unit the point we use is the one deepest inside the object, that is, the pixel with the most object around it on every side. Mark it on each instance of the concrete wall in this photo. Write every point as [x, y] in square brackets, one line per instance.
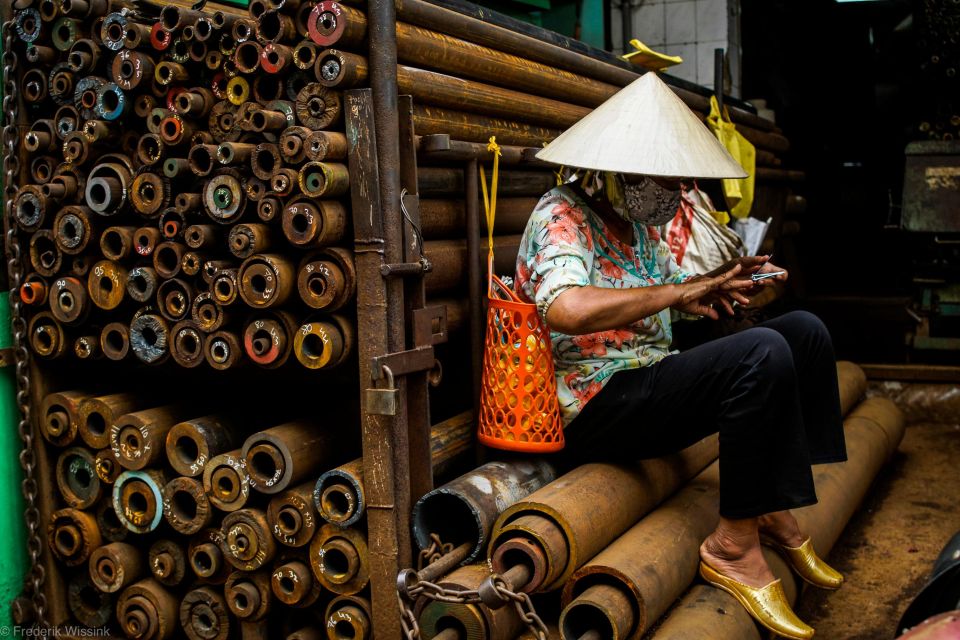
[691, 29]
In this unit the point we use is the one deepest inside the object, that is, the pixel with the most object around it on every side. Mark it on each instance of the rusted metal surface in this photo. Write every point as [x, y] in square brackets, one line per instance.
[340, 560]
[450, 260]
[465, 509]
[116, 565]
[348, 617]
[138, 499]
[246, 541]
[447, 219]
[147, 610]
[292, 516]
[77, 478]
[287, 454]
[226, 480]
[167, 561]
[476, 621]
[589, 507]
[191, 444]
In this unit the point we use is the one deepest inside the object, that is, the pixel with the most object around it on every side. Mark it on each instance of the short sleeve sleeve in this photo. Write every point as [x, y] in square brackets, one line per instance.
[555, 252]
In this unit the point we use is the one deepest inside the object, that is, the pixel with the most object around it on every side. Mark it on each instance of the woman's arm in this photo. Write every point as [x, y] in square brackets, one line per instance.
[588, 309]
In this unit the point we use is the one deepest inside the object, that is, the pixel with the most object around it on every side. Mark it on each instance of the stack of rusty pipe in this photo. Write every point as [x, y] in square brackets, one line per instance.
[177, 521]
[620, 553]
[184, 192]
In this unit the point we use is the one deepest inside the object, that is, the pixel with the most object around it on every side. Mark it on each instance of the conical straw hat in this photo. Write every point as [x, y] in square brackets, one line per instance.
[644, 128]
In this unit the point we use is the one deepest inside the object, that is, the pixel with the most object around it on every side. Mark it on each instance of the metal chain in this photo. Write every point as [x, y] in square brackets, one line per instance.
[10, 138]
[434, 552]
[432, 591]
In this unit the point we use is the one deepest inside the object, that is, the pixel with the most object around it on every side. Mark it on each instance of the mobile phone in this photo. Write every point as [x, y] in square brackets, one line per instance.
[763, 276]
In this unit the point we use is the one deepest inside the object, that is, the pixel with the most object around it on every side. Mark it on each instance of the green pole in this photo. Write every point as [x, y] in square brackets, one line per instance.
[13, 539]
[13, 543]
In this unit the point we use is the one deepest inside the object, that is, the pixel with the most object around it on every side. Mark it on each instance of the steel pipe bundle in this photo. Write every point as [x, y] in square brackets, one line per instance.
[166, 161]
[623, 590]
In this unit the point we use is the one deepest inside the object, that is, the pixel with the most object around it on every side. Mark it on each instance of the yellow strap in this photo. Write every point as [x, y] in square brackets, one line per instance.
[490, 203]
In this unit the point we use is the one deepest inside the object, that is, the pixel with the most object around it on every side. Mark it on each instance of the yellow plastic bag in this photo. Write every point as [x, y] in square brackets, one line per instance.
[737, 192]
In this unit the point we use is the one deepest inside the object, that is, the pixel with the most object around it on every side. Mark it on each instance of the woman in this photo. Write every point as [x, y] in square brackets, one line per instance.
[606, 285]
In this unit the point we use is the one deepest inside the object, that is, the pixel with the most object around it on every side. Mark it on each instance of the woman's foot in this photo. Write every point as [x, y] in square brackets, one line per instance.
[733, 549]
[783, 531]
[782, 528]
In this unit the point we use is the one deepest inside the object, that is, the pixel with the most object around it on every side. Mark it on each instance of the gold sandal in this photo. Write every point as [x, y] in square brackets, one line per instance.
[767, 605]
[807, 564]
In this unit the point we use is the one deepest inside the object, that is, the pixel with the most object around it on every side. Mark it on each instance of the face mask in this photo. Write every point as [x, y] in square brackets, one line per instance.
[645, 202]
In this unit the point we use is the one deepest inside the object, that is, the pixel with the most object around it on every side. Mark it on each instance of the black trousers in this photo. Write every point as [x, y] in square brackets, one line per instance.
[770, 391]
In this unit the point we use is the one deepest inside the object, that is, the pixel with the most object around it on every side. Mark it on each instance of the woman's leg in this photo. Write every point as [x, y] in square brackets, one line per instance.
[743, 386]
[816, 367]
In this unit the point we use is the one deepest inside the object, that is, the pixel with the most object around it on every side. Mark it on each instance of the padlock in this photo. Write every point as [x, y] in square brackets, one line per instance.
[383, 402]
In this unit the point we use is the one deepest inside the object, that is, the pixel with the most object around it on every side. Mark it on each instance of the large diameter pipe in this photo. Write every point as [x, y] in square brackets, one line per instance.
[287, 454]
[339, 494]
[429, 87]
[465, 509]
[564, 524]
[631, 583]
[444, 219]
[475, 621]
[427, 14]
[873, 432]
[435, 182]
[479, 128]
[449, 260]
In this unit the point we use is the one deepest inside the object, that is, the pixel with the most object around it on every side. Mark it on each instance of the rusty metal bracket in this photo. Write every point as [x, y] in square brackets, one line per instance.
[403, 363]
[403, 269]
[430, 325]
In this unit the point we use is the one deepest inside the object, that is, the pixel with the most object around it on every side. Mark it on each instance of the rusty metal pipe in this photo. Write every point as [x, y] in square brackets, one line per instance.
[138, 438]
[465, 509]
[339, 495]
[339, 559]
[72, 536]
[436, 182]
[444, 219]
[589, 507]
[226, 480]
[60, 417]
[115, 566]
[191, 444]
[293, 584]
[314, 224]
[266, 280]
[77, 478]
[348, 618]
[873, 432]
[205, 557]
[204, 615]
[98, 415]
[116, 243]
[167, 561]
[449, 259]
[138, 499]
[321, 344]
[287, 455]
[248, 595]
[292, 515]
[89, 605]
[327, 280]
[147, 610]
[475, 621]
[670, 536]
[106, 467]
[246, 541]
[186, 506]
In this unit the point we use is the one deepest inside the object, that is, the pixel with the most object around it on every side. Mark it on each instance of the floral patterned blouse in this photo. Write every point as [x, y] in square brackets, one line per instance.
[566, 244]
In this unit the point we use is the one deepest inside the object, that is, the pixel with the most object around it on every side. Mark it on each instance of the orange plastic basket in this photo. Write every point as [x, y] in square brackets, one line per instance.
[518, 395]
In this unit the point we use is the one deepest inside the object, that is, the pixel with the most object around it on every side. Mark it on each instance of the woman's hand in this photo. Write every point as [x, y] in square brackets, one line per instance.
[698, 295]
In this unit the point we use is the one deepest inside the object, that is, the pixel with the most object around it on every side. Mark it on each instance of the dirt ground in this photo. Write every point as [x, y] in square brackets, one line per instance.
[888, 549]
